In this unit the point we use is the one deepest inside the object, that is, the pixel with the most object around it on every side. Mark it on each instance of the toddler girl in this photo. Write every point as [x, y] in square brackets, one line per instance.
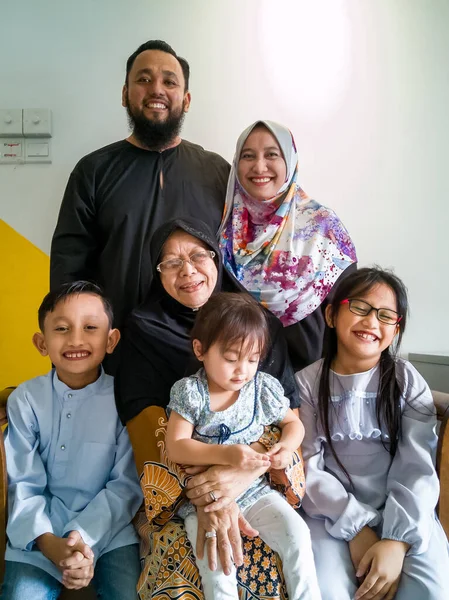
[214, 417]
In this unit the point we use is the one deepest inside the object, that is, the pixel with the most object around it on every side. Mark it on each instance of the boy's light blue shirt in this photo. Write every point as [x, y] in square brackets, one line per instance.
[70, 467]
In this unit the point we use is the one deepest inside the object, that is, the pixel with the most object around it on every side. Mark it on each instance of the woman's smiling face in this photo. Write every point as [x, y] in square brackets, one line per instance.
[192, 284]
[261, 168]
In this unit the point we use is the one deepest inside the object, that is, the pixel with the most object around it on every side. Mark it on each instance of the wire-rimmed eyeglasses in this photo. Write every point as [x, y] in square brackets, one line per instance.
[176, 264]
[362, 309]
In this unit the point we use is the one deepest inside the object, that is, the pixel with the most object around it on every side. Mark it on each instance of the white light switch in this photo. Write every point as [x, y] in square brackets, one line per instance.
[37, 122]
[10, 122]
[37, 151]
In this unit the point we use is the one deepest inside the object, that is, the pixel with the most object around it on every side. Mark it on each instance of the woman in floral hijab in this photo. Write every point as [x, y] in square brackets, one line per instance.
[287, 250]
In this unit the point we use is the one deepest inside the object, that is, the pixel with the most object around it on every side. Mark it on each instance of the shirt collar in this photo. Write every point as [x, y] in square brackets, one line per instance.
[64, 391]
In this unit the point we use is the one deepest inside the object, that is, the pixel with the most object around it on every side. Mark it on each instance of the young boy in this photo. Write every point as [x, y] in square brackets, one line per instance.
[72, 483]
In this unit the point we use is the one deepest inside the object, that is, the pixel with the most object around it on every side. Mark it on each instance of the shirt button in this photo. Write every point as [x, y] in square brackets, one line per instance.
[69, 395]
[69, 415]
[62, 447]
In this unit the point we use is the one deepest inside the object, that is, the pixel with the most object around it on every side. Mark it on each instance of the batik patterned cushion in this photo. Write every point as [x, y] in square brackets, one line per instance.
[169, 570]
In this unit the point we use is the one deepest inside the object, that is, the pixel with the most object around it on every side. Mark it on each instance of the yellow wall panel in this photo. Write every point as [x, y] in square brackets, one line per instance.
[24, 281]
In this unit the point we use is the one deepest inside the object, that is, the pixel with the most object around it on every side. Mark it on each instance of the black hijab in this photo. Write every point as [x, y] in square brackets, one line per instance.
[156, 346]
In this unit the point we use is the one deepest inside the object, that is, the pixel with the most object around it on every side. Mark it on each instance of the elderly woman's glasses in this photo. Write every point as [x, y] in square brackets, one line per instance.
[175, 264]
[362, 309]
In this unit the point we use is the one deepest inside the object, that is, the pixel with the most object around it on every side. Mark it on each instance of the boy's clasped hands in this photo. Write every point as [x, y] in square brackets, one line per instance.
[71, 556]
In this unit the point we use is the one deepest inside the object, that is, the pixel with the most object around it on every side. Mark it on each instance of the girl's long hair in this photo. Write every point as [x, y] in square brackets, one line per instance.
[388, 406]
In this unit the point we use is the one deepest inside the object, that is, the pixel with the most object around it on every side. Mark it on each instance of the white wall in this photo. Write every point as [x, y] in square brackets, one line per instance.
[364, 86]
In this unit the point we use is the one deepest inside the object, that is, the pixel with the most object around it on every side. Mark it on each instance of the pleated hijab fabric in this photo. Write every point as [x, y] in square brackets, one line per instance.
[287, 251]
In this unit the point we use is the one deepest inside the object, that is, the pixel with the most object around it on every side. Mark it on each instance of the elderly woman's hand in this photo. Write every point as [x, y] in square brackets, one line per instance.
[227, 523]
[218, 486]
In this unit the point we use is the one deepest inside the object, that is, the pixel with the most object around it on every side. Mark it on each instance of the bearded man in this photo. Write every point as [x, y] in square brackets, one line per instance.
[118, 195]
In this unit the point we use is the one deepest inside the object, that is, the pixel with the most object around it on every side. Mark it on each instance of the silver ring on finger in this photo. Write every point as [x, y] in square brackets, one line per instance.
[213, 497]
[211, 534]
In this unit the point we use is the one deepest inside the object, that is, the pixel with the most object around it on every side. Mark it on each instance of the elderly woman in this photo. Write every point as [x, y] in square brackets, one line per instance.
[287, 250]
[157, 352]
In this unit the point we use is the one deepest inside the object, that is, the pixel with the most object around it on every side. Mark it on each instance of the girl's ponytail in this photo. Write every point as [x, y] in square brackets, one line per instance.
[388, 403]
[324, 395]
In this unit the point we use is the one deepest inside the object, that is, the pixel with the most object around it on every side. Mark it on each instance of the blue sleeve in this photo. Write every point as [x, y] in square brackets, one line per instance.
[29, 515]
[273, 403]
[186, 399]
[412, 484]
[114, 507]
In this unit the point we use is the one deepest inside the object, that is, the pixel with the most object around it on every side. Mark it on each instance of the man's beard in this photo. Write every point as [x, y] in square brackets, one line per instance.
[156, 135]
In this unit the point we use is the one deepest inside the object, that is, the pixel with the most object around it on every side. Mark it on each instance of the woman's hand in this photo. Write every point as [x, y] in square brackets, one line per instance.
[225, 483]
[227, 523]
[361, 543]
[381, 566]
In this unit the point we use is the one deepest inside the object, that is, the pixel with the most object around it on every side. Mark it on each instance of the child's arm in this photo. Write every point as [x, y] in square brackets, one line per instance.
[292, 434]
[114, 507]
[78, 568]
[29, 520]
[381, 568]
[29, 516]
[182, 449]
[71, 556]
[412, 490]
[61, 550]
[54, 548]
[412, 483]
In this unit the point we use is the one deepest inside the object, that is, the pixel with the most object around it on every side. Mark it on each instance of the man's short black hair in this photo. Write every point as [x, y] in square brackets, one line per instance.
[163, 47]
[72, 289]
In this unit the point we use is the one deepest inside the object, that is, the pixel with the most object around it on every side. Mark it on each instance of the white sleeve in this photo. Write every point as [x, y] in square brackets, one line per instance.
[412, 484]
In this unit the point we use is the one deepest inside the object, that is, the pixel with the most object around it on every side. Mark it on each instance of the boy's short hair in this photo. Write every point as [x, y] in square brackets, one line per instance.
[228, 318]
[72, 289]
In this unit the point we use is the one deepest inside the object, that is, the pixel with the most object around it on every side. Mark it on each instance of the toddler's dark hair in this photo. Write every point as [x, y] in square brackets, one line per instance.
[229, 319]
[72, 289]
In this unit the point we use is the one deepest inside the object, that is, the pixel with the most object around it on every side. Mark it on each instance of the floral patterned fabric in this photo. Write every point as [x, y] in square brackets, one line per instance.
[261, 402]
[287, 251]
[169, 571]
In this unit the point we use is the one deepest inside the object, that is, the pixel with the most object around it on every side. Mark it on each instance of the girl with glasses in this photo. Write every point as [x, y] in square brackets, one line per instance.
[371, 485]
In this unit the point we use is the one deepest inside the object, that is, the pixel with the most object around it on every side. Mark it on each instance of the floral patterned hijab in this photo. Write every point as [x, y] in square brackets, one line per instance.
[287, 251]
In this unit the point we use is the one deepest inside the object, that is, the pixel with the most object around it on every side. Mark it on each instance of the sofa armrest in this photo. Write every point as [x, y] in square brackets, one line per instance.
[442, 405]
[3, 398]
[441, 401]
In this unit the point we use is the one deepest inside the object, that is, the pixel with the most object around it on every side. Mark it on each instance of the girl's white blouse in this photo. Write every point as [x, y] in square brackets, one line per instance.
[399, 493]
